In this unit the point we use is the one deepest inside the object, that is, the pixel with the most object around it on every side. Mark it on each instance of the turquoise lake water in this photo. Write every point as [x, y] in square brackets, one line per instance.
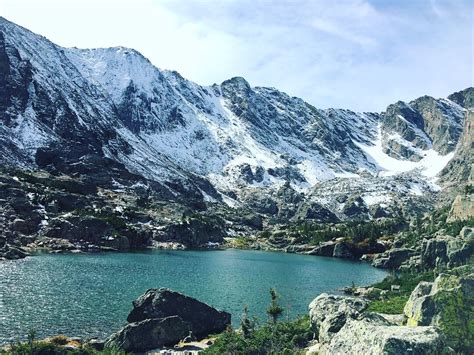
[91, 294]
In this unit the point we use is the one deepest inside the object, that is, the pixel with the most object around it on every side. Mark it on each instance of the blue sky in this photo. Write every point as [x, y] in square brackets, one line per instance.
[356, 54]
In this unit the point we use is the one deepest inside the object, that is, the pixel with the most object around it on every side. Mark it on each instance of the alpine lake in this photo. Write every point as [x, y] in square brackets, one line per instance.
[90, 295]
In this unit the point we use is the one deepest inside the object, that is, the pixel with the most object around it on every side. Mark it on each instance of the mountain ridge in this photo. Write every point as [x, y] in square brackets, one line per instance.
[114, 103]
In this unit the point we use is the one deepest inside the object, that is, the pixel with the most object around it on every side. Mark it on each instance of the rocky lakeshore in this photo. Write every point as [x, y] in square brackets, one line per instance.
[101, 151]
[436, 319]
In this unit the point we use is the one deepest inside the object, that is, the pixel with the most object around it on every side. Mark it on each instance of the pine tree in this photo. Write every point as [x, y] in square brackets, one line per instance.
[246, 324]
[274, 311]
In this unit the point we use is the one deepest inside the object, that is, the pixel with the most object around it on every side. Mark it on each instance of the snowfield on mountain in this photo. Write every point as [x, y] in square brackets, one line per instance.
[115, 103]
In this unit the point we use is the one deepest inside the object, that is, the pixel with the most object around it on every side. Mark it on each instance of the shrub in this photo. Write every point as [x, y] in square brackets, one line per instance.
[392, 305]
[395, 301]
[281, 338]
[274, 310]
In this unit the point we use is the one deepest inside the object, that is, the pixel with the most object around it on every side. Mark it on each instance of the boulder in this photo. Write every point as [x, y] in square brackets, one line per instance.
[467, 233]
[393, 258]
[373, 334]
[149, 334]
[96, 344]
[447, 251]
[447, 303]
[323, 249]
[11, 253]
[20, 226]
[343, 250]
[162, 303]
[329, 313]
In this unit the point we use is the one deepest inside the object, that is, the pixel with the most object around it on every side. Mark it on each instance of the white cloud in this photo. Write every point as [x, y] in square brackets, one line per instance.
[357, 54]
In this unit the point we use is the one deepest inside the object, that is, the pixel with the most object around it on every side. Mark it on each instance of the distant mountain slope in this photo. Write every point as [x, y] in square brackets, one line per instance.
[460, 168]
[59, 105]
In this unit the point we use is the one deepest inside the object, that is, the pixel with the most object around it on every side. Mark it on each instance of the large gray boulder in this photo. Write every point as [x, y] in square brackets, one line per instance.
[373, 334]
[323, 249]
[447, 303]
[445, 250]
[393, 258]
[149, 334]
[343, 250]
[329, 313]
[163, 302]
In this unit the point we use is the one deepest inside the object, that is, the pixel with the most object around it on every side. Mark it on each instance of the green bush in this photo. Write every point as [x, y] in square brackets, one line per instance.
[356, 231]
[281, 338]
[394, 302]
[392, 305]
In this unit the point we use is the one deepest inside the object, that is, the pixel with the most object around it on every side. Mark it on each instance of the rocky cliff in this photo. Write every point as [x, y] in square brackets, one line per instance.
[111, 119]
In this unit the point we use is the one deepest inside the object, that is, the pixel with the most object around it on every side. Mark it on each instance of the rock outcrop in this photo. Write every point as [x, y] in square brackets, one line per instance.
[447, 303]
[460, 168]
[164, 317]
[373, 334]
[149, 334]
[393, 258]
[342, 326]
[329, 313]
[462, 208]
[447, 251]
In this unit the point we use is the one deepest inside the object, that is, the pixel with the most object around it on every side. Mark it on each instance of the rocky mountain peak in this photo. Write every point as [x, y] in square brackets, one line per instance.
[235, 85]
[464, 98]
[114, 103]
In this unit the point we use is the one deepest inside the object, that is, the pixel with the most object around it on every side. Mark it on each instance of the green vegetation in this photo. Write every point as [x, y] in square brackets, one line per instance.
[240, 242]
[392, 305]
[53, 346]
[274, 311]
[355, 231]
[454, 228]
[469, 189]
[435, 222]
[272, 338]
[280, 338]
[394, 301]
[247, 325]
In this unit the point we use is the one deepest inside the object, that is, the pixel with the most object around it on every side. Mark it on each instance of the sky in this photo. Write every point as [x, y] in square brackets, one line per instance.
[355, 54]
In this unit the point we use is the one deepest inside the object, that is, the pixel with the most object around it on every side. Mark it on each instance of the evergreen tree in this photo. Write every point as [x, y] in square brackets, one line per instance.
[274, 311]
[246, 324]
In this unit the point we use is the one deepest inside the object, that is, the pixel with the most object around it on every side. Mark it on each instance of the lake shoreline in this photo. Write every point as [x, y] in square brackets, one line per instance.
[50, 281]
[66, 247]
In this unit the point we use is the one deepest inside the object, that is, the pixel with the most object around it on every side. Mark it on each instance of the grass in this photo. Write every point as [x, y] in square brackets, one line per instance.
[282, 338]
[240, 243]
[392, 305]
[394, 302]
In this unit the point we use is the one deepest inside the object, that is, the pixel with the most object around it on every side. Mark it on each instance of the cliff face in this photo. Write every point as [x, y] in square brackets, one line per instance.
[462, 208]
[460, 168]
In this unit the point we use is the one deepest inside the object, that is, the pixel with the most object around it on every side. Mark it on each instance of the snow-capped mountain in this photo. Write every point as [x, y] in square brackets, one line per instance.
[223, 142]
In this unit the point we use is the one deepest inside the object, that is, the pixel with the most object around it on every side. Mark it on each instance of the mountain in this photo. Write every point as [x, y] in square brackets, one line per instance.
[109, 116]
[460, 169]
